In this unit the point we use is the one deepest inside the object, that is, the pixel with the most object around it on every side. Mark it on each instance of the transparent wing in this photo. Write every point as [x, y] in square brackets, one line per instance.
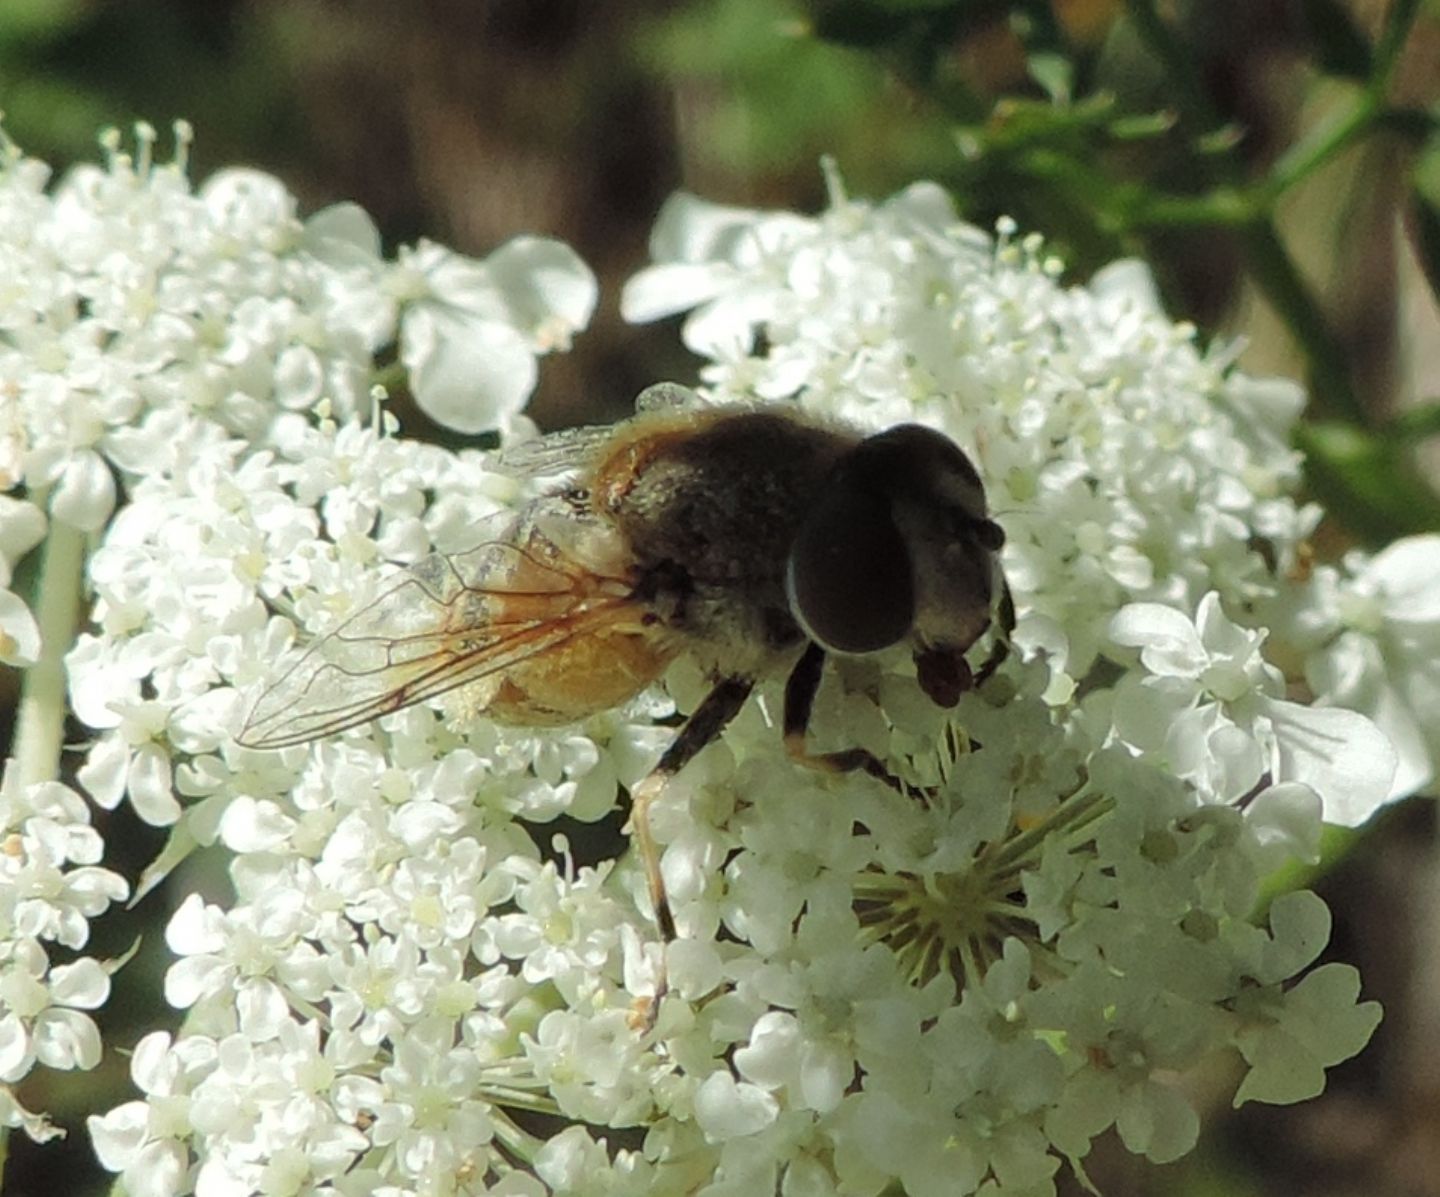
[553, 453]
[573, 448]
[448, 622]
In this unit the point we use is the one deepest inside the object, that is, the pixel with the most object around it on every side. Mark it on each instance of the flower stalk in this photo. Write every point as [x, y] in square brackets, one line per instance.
[40, 723]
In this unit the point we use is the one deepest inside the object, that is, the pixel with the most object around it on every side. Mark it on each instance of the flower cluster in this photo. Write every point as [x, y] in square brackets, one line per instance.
[135, 300]
[951, 989]
[50, 889]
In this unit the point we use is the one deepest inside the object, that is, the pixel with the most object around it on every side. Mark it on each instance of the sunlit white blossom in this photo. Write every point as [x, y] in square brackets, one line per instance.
[1209, 709]
[51, 886]
[133, 294]
[1369, 630]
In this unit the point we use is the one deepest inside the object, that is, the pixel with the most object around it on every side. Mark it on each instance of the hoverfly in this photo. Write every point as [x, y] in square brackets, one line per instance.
[754, 539]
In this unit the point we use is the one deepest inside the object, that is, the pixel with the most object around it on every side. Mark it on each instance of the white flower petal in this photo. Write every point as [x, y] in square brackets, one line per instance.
[1168, 640]
[14, 1047]
[150, 786]
[771, 1058]
[1339, 754]
[548, 291]
[19, 633]
[67, 1039]
[22, 527]
[85, 494]
[344, 236]
[727, 1109]
[252, 826]
[467, 374]
[1128, 281]
[195, 977]
[1408, 573]
[104, 771]
[666, 289]
[1285, 820]
[159, 1170]
[118, 1136]
[195, 928]
[691, 229]
[82, 983]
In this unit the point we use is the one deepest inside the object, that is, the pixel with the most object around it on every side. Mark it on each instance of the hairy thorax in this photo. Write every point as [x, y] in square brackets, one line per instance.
[709, 508]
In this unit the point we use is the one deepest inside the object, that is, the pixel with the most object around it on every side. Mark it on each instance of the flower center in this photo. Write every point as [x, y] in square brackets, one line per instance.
[944, 922]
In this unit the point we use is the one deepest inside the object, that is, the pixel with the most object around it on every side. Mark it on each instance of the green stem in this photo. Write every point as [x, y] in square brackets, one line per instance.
[519, 1142]
[1304, 158]
[1178, 61]
[1224, 207]
[1277, 275]
[1074, 812]
[1392, 41]
[40, 726]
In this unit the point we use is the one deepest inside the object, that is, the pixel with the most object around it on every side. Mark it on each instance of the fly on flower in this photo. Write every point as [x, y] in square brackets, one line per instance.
[752, 539]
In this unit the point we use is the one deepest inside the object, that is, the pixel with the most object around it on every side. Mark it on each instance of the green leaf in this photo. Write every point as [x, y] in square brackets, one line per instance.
[1367, 482]
[1341, 48]
[1220, 140]
[1416, 424]
[30, 21]
[1142, 126]
[1054, 73]
[1015, 123]
[1424, 214]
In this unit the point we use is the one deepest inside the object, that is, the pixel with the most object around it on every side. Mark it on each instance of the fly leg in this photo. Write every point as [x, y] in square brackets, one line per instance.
[1000, 650]
[800, 691]
[704, 725]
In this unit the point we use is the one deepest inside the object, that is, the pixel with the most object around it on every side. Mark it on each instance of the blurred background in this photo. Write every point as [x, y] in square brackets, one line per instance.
[1276, 161]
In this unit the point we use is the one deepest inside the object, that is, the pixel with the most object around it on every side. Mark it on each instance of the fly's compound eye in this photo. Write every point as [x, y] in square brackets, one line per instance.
[917, 463]
[849, 578]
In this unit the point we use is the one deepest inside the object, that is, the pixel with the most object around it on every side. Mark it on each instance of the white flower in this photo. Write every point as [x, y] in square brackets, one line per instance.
[145, 1141]
[470, 331]
[41, 1022]
[714, 258]
[1372, 632]
[136, 296]
[19, 633]
[50, 887]
[226, 961]
[1208, 710]
[1289, 1043]
[22, 527]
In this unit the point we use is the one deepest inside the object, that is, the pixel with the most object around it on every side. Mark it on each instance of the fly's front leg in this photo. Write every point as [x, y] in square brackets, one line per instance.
[800, 691]
[1000, 650]
[703, 726]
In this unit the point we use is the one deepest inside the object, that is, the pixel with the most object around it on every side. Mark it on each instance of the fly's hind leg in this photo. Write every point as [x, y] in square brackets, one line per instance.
[703, 726]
